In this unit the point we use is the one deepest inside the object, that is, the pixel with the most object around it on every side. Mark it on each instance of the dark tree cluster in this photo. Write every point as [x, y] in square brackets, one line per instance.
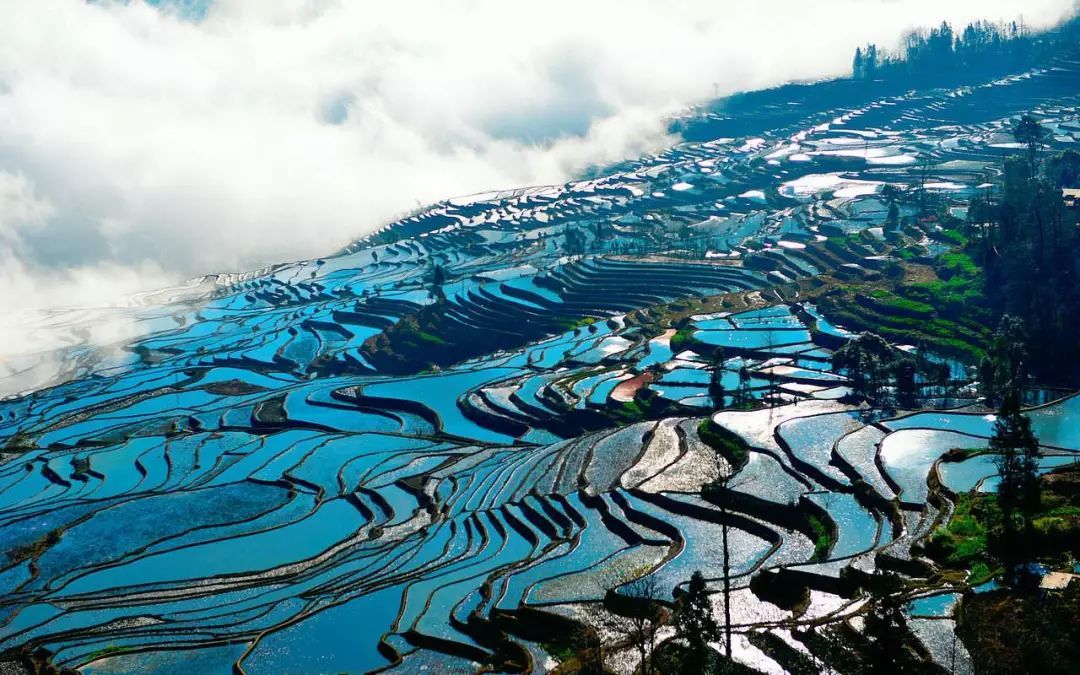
[981, 47]
[1026, 239]
[696, 625]
[1016, 634]
[1002, 369]
[877, 369]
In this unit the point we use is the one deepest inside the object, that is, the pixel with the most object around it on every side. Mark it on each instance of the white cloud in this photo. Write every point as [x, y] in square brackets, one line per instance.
[20, 209]
[143, 147]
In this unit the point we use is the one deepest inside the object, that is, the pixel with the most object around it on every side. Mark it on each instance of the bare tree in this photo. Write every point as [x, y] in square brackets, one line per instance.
[774, 385]
[632, 613]
[727, 481]
[724, 483]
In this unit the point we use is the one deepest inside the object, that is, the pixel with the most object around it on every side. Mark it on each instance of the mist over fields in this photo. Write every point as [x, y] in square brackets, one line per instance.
[142, 145]
[608, 337]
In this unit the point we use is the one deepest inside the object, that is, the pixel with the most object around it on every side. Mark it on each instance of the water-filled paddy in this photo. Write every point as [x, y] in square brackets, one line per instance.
[256, 483]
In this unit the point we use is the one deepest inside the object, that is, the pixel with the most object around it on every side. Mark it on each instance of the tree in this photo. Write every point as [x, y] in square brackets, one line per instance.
[904, 370]
[720, 492]
[774, 384]
[1063, 170]
[870, 63]
[633, 612]
[742, 394]
[1016, 458]
[1032, 134]
[891, 194]
[716, 378]
[645, 621]
[1029, 259]
[1007, 462]
[941, 376]
[885, 627]
[576, 242]
[867, 360]
[697, 625]
[892, 217]
[986, 378]
[1008, 350]
[438, 278]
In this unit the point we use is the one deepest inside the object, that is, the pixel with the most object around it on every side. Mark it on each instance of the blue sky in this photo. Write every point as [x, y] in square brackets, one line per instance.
[194, 10]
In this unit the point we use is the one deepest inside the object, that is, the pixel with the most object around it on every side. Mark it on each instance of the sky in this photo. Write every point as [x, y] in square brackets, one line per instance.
[142, 144]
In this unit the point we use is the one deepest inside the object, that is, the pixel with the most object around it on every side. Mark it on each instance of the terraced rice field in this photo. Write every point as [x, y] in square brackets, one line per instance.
[255, 484]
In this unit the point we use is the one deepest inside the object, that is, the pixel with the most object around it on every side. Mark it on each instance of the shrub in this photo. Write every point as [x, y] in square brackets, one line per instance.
[682, 337]
[821, 538]
[980, 572]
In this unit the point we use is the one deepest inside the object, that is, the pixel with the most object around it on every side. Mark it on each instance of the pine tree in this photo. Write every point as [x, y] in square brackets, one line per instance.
[697, 625]
[438, 275]
[885, 628]
[716, 378]
[870, 63]
[1007, 351]
[857, 68]
[1016, 456]
[892, 217]
[1032, 134]
[906, 389]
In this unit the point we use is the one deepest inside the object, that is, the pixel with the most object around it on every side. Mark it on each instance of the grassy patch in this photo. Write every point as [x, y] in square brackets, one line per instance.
[980, 573]
[570, 323]
[956, 265]
[429, 338]
[962, 543]
[413, 336]
[822, 540]
[972, 538]
[109, 650]
[632, 410]
[1059, 521]
[944, 306]
[682, 338]
[894, 304]
[950, 236]
[646, 405]
[561, 652]
[730, 446]
[944, 335]
[961, 454]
